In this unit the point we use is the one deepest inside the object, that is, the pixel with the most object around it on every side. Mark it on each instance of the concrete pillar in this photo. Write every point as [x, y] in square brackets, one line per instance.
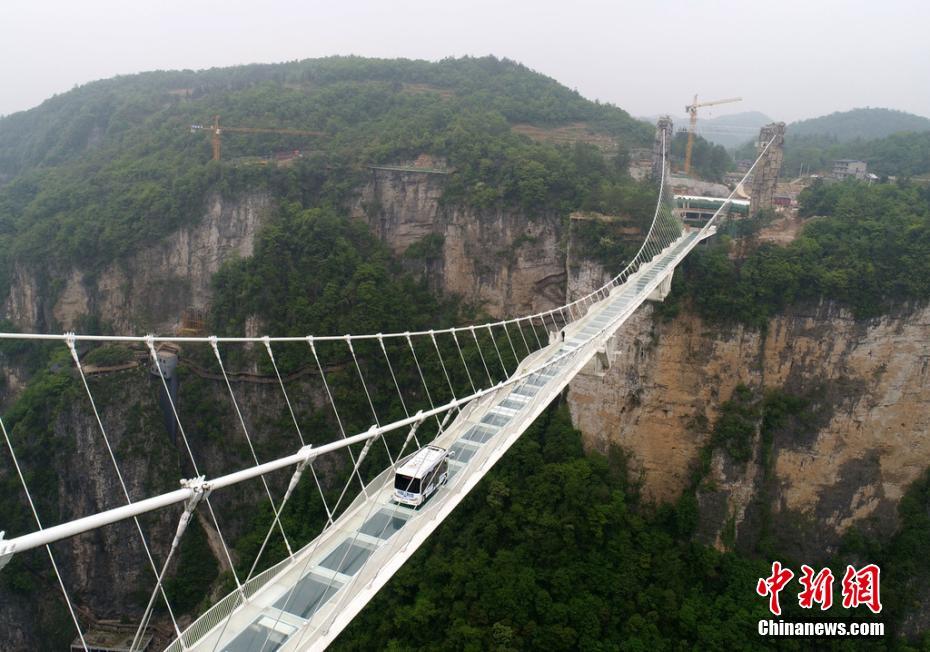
[765, 174]
[663, 126]
[664, 287]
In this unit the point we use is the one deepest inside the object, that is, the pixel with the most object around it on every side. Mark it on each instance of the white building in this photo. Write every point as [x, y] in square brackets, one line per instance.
[845, 167]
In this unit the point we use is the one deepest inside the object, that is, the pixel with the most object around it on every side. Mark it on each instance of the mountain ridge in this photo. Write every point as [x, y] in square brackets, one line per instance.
[867, 123]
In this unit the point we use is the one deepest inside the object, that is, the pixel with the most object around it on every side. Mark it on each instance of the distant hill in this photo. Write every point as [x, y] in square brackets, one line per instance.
[864, 124]
[902, 154]
[734, 129]
[728, 130]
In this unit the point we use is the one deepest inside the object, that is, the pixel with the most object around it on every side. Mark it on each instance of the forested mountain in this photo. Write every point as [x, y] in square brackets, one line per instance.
[891, 142]
[128, 110]
[859, 124]
[95, 172]
[107, 173]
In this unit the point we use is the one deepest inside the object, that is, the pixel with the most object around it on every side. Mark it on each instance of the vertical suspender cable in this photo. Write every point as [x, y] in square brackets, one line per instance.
[516, 358]
[464, 364]
[248, 439]
[374, 414]
[48, 548]
[148, 553]
[499, 358]
[535, 334]
[442, 364]
[481, 355]
[423, 380]
[300, 436]
[329, 394]
[523, 337]
[150, 342]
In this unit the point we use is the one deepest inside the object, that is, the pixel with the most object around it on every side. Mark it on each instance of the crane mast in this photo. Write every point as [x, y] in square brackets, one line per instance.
[692, 113]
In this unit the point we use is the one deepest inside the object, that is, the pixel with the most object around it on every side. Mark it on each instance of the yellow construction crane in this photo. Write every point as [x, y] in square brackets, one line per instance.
[215, 131]
[692, 111]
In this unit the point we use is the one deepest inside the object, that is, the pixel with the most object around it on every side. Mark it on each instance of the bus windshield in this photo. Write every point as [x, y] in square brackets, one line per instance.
[406, 483]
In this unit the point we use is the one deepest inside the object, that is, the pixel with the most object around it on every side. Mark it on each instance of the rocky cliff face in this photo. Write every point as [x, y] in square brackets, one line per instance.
[107, 571]
[109, 563]
[500, 260]
[149, 291]
[869, 384]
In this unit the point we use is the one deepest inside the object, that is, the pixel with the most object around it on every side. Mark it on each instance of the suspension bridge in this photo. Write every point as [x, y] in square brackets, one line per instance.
[303, 601]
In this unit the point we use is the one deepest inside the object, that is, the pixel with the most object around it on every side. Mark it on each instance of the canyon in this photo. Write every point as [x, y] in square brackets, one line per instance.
[653, 394]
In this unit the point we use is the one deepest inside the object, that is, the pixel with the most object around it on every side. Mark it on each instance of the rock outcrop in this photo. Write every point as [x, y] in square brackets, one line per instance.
[500, 260]
[150, 290]
[868, 380]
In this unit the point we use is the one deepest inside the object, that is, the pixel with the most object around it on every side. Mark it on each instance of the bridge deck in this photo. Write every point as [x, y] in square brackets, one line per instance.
[304, 603]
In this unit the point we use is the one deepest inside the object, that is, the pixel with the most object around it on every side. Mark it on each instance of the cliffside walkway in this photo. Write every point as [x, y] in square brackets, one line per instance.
[306, 599]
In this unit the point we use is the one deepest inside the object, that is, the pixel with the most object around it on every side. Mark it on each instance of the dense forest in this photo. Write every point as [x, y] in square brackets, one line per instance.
[866, 247]
[709, 161]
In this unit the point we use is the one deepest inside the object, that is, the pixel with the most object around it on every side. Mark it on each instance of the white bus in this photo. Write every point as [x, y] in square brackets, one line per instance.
[419, 475]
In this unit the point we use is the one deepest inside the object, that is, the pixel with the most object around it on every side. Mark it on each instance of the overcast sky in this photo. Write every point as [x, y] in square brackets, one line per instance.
[789, 59]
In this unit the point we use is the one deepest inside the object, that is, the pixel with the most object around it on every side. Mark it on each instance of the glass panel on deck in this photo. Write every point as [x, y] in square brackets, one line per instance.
[479, 434]
[495, 419]
[383, 524]
[307, 597]
[347, 558]
[263, 634]
[526, 390]
[462, 452]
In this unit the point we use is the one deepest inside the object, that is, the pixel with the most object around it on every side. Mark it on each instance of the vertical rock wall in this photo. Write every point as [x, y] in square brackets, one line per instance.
[148, 291]
[499, 260]
[869, 382]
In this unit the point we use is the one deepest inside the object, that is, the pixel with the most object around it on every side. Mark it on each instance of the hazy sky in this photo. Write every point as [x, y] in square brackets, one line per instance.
[790, 59]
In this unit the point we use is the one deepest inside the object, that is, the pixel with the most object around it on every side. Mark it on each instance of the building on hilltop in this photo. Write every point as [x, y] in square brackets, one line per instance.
[846, 167]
